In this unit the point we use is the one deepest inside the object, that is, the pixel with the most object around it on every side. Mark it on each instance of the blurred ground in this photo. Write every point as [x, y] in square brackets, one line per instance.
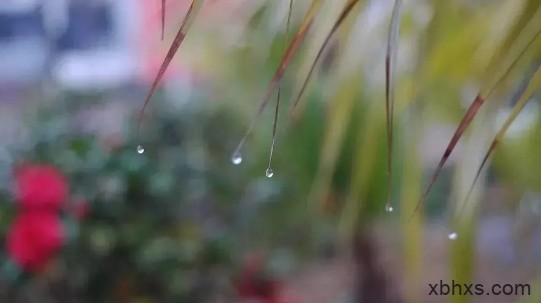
[495, 263]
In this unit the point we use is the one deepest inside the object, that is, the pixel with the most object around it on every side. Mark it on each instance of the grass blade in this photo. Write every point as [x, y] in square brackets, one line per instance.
[163, 18]
[528, 12]
[194, 9]
[284, 63]
[533, 26]
[533, 84]
[269, 173]
[343, 15]
[390, 61]
[466, 120]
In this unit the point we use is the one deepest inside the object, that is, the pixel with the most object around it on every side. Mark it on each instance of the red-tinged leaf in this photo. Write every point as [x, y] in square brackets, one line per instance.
[466, 120]
[194, 9]
[284, 63]
[533, 84]
[343, 15]
[269, 173]
[163, 19]
[519, 48]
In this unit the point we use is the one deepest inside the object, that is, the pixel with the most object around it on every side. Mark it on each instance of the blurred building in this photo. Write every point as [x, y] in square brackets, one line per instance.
[23, 42]
[78, 44]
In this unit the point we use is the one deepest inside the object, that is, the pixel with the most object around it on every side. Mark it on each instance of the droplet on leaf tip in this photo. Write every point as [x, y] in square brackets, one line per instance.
[140, 149]
[389, 208]
[236, 158]
[452, 236]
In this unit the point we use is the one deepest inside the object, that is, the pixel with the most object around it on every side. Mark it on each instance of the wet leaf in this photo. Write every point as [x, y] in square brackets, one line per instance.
[163, 18]
[390, 61]
[533, 85]
[343, 15]
[527, 37]
[194, 9]
[292, 49]
[269, 173]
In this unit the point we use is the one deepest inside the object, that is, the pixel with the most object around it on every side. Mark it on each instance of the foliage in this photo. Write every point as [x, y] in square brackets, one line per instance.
[335, 152]
[161, 222]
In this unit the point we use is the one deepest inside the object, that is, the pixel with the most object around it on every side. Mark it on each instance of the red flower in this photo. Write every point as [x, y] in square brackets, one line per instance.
[254, 284]
[40, 187]
[34, 238]
[249, 282]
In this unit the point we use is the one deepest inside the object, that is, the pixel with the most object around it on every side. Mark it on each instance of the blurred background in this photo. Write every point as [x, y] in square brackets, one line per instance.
[85, 217]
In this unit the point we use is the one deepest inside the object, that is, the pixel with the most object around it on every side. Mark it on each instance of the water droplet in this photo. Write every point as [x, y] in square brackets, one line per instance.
[389, 208]
[452, 236]
[236, 158]
[269, 173]
[140, 149]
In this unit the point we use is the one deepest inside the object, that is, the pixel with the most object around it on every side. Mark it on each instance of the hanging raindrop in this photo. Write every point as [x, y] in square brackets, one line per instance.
[452, 236]
[389, 208]
[236, 158]
[269, 173]
[140, 149]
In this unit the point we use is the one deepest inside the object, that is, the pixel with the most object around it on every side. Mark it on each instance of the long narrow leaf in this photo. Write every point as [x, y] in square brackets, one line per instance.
[390, 61]
[521, 44]
[528, 12]
[343, 15]
[292, 49]
[163, 18]
[533, 84]
[524, 42]
[269, 173]
[194, 9]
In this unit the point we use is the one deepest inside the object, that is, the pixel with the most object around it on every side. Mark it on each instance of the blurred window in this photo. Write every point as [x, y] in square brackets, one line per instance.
[17, 6]
[89, 26]
[20, 20]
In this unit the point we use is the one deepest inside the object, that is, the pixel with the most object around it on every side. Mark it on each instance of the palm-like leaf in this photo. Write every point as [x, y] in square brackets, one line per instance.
[528, 36]
[292, 49]
[189, 19]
